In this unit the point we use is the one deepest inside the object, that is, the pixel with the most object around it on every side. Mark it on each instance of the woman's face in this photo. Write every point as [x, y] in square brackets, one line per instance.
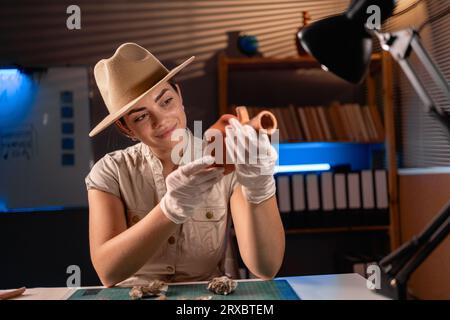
[156, 115]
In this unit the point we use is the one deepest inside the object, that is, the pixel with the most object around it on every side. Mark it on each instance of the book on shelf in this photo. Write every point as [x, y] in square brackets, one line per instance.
[314, 118]
[339, 129]
[281, 128]
[372, 131]
[362, 126]
[291, 132]
[325, 123]
[292, 124]
[298, 135]
[305, 124]
[375, 115]
[347, 122]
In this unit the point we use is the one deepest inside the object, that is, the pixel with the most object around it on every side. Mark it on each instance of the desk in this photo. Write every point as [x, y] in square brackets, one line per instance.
[322, 287]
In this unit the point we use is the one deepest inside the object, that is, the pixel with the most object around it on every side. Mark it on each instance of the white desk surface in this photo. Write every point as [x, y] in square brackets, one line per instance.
[321, 287]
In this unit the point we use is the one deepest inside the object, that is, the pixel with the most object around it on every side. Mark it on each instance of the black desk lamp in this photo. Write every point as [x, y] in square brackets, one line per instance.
[343, 45]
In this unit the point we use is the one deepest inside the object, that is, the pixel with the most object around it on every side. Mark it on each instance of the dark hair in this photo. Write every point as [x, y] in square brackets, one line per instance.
[172, 83]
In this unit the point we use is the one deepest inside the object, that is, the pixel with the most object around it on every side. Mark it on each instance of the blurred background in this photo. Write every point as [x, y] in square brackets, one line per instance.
[246, 54]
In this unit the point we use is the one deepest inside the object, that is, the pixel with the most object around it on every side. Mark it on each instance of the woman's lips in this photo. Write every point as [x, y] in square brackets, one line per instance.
[166, 133]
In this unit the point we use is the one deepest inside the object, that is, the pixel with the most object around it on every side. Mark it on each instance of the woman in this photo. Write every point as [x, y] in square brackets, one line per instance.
[153, 218]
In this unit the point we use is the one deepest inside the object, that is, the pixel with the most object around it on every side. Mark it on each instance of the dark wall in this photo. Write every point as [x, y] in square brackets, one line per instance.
[37, 247]
[328, 253]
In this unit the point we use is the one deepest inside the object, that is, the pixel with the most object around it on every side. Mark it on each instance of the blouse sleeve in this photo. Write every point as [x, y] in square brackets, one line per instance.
[104, 176]
[233, 182]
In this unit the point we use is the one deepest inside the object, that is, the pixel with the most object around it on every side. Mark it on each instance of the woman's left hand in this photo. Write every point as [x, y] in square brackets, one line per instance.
[254, 158]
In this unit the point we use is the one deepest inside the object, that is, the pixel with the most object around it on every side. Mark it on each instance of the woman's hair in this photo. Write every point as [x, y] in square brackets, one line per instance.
[122, 120]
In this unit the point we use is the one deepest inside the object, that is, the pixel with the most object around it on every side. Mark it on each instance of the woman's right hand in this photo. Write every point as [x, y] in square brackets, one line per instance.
[187, 187]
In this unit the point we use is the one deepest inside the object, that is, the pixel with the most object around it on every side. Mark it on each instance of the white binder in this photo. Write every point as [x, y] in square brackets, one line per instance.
[312, 191]
[284, 196]
[298, 192]
[327, 191]
[381, 188]
[340, 191]
[354, 199]
[368, 194]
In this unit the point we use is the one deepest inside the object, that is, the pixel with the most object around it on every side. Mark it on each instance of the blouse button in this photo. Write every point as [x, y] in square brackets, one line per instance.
[209, 215]
[171, 240]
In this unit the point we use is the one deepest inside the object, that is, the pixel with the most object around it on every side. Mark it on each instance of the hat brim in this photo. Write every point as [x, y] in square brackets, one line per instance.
[112, 117]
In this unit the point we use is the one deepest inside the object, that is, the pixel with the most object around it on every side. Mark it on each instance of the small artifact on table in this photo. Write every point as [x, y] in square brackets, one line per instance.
[222, 285]
[152, 289]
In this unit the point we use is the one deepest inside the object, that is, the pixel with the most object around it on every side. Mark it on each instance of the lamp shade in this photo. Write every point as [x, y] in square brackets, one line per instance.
[341, 45]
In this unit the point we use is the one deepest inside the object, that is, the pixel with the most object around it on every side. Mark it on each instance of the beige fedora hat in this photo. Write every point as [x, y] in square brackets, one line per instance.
[125, 77]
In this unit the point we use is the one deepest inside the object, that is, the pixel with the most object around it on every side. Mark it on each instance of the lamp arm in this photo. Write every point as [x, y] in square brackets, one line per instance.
[417, 84]
[394, 263]
[400, 44]
[434, 72]
[400, 264]
[404, 274]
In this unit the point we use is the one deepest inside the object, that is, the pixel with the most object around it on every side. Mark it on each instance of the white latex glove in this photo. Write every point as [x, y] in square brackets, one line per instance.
[255, 160]
[187, 187]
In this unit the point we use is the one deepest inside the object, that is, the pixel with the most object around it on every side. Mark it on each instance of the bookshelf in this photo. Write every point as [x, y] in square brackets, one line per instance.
[380, 63]
[336, 229]
[227, 64]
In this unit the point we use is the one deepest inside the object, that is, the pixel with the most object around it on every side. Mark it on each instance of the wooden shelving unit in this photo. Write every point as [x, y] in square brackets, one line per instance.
[226, 64]
[380, 62]
[337, 229]
[334, 230]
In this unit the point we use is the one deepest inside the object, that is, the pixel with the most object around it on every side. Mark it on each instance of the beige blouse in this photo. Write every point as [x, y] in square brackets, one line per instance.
[197, 249]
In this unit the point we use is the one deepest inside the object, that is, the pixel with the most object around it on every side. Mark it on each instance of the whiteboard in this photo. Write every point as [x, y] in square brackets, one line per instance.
[45, 151]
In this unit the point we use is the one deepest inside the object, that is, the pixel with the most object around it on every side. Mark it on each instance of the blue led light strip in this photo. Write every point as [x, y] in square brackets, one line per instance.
[302, 167]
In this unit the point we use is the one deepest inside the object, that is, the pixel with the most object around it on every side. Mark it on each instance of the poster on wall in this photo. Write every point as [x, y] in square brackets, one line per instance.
[45, 152]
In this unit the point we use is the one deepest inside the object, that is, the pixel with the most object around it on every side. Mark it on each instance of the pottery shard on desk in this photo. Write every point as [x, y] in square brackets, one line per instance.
[222, 285]
[152, 289]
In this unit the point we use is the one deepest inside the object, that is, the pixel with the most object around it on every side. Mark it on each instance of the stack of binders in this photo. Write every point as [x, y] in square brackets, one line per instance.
[328, 199]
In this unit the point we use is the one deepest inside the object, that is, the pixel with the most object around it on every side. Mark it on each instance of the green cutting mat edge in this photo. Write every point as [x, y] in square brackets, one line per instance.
[251, 290]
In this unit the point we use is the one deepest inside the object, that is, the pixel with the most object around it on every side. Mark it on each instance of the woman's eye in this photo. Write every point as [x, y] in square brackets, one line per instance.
[167, 101]
[141, 117]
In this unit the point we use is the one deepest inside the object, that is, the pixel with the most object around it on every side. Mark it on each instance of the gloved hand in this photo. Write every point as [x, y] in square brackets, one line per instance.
[255, 160]
[187, 187]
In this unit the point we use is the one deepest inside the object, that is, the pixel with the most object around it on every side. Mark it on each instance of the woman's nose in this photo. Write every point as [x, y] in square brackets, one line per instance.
[157, 117]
